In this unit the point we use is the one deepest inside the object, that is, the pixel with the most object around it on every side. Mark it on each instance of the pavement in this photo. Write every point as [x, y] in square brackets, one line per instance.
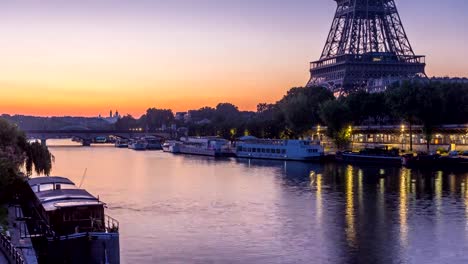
[22, 244]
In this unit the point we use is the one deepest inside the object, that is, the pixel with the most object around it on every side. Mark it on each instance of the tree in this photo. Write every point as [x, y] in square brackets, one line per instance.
[337, 117]
[403, 101]
[367, 107]
[126, 122]
[156, 118]
[19, 157]
[429, 110]
[301, 107]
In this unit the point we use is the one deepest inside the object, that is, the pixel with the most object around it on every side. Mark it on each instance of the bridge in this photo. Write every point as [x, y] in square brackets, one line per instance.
[87, 136]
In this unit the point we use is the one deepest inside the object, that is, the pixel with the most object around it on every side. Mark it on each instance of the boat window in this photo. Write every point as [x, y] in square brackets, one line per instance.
[258, 150]
[263, 150]
[67, 186]
[239, 148]
[253, 150]
[46, 187]
[283, 151]
[277, 151]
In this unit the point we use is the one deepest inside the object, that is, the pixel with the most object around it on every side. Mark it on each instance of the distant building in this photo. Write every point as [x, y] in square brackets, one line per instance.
[180, 116]
[112, 119]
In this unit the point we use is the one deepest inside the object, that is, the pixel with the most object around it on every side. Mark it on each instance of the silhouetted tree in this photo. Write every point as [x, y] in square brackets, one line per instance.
[18, 156]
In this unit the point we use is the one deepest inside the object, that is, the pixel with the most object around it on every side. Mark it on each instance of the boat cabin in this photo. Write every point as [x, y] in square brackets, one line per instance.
[65, 208]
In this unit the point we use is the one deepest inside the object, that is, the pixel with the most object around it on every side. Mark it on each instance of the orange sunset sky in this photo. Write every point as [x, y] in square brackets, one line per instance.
[88, 57]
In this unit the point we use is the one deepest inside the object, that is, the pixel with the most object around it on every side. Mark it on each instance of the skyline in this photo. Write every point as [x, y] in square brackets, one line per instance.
[86, 57]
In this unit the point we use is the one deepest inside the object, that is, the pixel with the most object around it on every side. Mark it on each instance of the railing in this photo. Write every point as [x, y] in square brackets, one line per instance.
[112, 225]
[11, 252]
[371, 57]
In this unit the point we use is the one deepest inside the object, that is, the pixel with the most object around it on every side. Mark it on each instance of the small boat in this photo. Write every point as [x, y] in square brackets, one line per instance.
[435, 161]
[67, 224]
[121, 143]
[378, 154]
[153, 143]
[137, 144]
[278, 149]
[100, 140]
[171, 146]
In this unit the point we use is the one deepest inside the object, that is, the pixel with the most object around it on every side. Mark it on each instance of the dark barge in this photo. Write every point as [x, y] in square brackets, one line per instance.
[377, 155]
[68, 225]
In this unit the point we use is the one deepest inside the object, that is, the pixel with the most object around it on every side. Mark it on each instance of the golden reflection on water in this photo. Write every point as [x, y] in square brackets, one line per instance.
[381, 200]
[350, 216]
[438, 193]
[360, 191]
[464, 192]
[316, 183]
[405, 180]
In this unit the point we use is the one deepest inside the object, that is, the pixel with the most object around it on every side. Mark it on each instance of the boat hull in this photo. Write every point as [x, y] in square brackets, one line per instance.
[92, 248]
[137, 146]
[198, 151]
[359, 158]
[306, 158]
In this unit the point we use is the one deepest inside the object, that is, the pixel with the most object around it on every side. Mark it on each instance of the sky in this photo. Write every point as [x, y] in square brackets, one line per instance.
[86, 57]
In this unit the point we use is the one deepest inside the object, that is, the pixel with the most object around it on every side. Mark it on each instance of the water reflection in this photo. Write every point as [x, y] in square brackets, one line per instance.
[188, 209]
[405, 179]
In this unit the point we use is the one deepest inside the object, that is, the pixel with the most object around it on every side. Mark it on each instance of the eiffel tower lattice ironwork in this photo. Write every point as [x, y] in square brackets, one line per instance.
[367, 47]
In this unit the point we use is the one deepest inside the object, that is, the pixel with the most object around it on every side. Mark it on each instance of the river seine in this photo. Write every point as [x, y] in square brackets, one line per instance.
[188, 209]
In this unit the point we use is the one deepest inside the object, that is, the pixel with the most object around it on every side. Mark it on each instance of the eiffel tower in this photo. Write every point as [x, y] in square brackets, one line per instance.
[367, 48]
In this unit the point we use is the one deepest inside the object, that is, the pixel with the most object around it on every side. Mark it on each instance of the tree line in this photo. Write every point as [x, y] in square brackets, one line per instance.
[413, 103]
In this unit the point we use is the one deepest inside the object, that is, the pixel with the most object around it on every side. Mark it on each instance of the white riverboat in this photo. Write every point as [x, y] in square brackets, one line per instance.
[205, 146]
[277, 149]
[137, 144]
[171, 146]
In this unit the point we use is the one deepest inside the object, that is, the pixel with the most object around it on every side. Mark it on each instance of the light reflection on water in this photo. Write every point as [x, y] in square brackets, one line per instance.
[184, 209]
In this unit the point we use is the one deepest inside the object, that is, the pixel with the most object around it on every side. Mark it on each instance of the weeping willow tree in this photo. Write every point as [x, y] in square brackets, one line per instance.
[19, 158]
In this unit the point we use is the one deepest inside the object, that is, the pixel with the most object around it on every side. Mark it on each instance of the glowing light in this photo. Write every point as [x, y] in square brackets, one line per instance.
[403, 212]
[350, 221]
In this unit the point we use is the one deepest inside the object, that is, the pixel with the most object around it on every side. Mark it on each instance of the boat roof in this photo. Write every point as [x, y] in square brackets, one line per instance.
[45, 180]
[59, 198]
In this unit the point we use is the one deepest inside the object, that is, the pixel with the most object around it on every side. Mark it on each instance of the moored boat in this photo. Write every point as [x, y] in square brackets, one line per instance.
[205, 146]
[152, 143]
[435, 161]
[121, 143]
[137, 144]
[68, 225]
[378, 154]
[278, 149]
[171, 146]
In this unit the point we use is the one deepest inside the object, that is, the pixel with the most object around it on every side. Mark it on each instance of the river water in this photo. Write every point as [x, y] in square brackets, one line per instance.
[189, 209]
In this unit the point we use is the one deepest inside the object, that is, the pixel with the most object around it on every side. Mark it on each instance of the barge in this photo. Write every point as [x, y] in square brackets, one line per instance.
[68, 225]
[379, 154]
